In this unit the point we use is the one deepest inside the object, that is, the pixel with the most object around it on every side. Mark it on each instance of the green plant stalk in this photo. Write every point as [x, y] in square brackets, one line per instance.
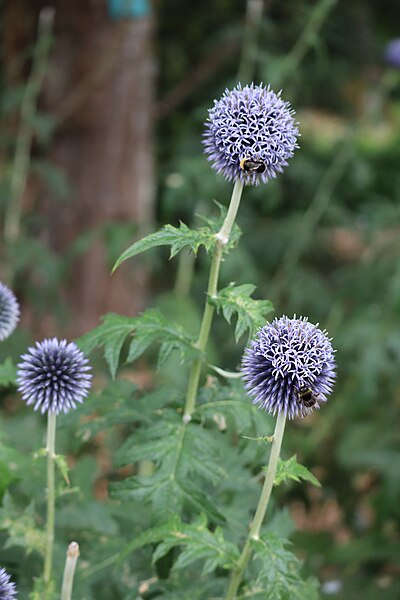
[308, 36]
[254, 532]
[252, 25]
[184, 274]
[313, 214]
[222, 240]
[51, 442]
[69, 571]
[23, 144]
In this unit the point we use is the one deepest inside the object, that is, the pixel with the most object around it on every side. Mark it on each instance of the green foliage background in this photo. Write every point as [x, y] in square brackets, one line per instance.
[321, 241]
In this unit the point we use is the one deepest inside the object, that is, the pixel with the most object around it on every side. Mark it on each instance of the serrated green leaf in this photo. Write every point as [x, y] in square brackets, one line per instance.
[176, 237]
[291, 469]
[279, 572]
[186, 462]
[152, 327]
[8, 373]
[237, 300]
[111, 334]
[199, 543]
[196, 541]
[146, 329]
[182, 237]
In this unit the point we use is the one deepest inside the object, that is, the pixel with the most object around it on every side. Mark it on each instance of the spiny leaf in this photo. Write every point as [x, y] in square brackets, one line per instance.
[185, 458]
[291, 469]
[119, 403]
[237, 300]
[176, 237]
[7, 373]
[278, 572]
[182, 237]
[196, 541]
[150, 327]
[111, 334]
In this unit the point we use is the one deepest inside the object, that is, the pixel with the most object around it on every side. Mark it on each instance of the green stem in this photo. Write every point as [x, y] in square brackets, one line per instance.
[222, 240]
[308, 36]
[252, 25]
[184, 274]
[254, 532]
[51, 442]
[312, 215]
[23, 144]
[69, 571]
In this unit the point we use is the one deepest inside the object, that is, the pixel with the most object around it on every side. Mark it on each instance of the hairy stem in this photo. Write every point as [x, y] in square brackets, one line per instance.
[69, 571]
[51, 442]
[255, 527]
[222, 240]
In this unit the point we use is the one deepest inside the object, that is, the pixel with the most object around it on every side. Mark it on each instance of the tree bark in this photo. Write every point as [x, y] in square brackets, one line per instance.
[100, 86]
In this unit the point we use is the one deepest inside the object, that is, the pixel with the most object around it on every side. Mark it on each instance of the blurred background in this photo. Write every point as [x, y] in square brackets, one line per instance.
[102, 106]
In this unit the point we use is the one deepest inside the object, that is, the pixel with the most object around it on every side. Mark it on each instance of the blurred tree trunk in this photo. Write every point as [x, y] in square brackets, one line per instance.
[100, 88]
[106, 71]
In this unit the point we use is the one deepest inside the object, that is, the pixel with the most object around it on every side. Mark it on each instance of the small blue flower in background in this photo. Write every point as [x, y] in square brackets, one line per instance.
[119, 9]
[392, 53]
[9, 312]
[7, 587]
[53, 376]
[289, 367]
[250, 134]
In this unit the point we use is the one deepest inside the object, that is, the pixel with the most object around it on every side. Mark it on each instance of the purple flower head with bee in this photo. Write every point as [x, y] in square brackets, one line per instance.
[250, 134]
[289, 367]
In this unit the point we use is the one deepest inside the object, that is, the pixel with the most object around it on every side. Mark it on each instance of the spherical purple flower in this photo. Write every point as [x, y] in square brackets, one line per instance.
[7, 587]
[392, 53]
[250, 134]
[289, 367]
[53, 376]
[9, 312]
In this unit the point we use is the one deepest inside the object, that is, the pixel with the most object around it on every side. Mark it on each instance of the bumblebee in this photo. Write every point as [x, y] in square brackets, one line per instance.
[306, 397]
[252, 166]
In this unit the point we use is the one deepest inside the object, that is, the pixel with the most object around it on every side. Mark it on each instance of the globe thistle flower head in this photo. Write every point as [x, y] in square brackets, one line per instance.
[289, 367]
[7, 587]
[392, 53]
[250, 134]
[9, 312]
[53, 376]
